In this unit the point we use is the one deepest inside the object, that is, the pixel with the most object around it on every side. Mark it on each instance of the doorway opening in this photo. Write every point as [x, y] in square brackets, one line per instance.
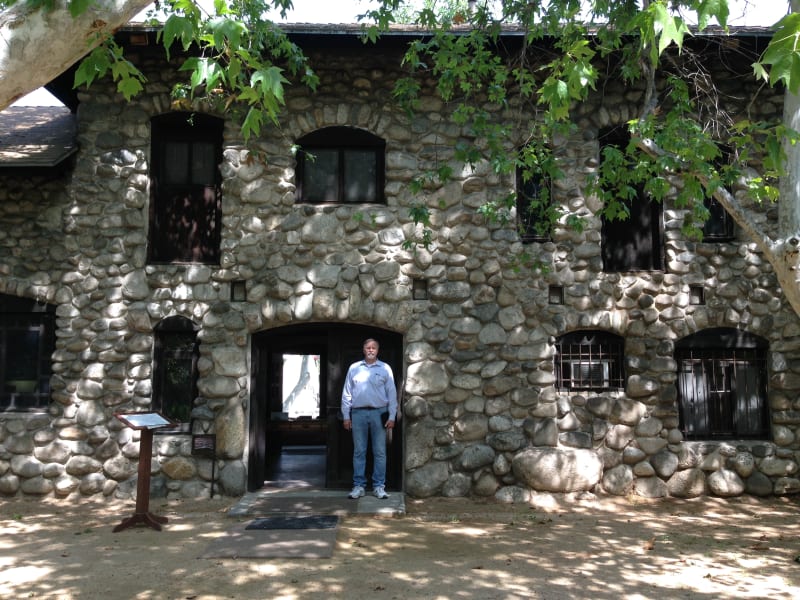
[296, 433]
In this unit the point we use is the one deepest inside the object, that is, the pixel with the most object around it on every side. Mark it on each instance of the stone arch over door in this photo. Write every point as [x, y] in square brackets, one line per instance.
[338, 345]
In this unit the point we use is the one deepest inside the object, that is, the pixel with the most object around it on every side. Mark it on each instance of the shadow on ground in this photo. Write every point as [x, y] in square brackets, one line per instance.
[566, 547]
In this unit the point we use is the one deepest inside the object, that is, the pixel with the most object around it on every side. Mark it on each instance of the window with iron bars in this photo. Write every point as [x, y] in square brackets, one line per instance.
[722, 391]
[589, 360]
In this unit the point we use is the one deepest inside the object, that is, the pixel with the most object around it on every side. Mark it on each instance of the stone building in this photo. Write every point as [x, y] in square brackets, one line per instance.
[154, 261]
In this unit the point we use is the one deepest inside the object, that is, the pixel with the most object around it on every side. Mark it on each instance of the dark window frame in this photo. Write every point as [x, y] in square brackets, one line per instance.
[342, 140]
[722, 385]
[637, 243]
[195, 239]
[30, 393]
[720, 226]
[591, 360]
[528, 223]
[172, 337]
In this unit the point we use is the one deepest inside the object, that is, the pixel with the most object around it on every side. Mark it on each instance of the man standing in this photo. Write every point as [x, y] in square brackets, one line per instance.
[369, 397]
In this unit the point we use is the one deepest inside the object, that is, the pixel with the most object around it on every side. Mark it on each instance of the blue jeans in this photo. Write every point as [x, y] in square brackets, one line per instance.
[368, 427]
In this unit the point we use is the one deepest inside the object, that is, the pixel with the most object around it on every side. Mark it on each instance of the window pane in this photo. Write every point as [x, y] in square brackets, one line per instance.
[25, 349]
[719, 225]
[176, 163]
[633, 244]
[203, 163]
[185, 209]
[176, 375]
[321, 175]
[300, 392]
[750, 408]
[693, 392]
[533, 200]
[722, 391]
[359, 176]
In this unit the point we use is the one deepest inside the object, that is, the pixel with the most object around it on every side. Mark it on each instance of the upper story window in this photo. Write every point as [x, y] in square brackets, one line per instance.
[342, 165]
[534, 200]
[634, 243]
[27, 343]
[720, 225]
[722, 385]
[185, 200]
[589, 360]
[175, 369]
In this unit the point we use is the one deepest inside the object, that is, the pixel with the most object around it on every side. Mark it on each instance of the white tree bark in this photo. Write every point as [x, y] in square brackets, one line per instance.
[37, 45]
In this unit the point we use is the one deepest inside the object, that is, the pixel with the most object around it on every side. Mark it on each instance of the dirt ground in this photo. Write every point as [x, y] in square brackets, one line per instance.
[442, 549]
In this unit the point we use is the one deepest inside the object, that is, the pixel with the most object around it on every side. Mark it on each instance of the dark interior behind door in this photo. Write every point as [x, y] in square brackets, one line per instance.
[338, 345]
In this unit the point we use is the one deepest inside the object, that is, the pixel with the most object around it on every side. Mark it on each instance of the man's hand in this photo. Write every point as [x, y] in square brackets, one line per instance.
[348, 425]
[389, 424]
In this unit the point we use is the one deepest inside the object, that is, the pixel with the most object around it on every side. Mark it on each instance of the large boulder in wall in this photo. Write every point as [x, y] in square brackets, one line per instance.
[558, 469]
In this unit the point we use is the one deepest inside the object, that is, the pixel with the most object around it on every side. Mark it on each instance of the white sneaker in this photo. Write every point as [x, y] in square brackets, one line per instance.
[380, 493]
[357, 492]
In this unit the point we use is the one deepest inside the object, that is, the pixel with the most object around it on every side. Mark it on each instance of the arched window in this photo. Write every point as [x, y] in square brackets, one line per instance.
[185, 188]
[341, 165]
[27, 343]
[589, 360]
[722, 385]
[175, 368]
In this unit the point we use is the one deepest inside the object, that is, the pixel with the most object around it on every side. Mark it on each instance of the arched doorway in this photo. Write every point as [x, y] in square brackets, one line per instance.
[295, 396]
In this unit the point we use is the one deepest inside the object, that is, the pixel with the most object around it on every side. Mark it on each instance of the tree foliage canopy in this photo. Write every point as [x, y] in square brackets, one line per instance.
[238, 61]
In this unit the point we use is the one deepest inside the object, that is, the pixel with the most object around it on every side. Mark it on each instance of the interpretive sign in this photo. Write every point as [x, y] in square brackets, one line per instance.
[146, 422]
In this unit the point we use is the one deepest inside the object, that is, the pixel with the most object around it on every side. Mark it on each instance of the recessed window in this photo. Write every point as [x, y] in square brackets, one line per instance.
[722, 385]
[534, 196]
[340, 165]
[634, 241]
[555, 294]
[589, 360]
[175, 369]
[185, 207]
[27, 342]
[720, 225]
[697, 295]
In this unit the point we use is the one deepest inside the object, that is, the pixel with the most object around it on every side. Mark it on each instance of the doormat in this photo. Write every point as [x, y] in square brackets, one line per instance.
[304, 522]
[242, 541]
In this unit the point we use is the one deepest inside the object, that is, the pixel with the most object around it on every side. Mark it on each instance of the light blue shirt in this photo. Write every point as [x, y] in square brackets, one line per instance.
[369, 386]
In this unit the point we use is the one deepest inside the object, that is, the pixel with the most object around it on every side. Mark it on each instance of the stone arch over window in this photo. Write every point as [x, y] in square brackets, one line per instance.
[340, 165]
[175, 369]
[590, 360]
[185, 188]
[722, 384]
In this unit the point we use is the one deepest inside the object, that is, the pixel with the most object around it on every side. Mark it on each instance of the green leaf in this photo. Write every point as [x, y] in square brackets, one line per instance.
[78, 7]
[252, 123]
[177, 28]
[708, 9]
[129, 87]
[93, 66]
[783, 52]
[227, 29]
[269, 82]
[667, 28]
[205, 71]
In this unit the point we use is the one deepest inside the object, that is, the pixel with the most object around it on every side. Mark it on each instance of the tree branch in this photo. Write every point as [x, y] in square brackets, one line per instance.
[37, 45]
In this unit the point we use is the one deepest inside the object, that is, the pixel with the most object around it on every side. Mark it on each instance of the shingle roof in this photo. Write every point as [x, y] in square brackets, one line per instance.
[36, 136]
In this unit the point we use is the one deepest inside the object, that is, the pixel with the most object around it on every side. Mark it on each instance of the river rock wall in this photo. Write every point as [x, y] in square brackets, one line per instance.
[483, 414]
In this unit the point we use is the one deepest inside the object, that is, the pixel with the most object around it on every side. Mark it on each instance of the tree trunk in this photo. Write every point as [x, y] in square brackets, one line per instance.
[38, 45]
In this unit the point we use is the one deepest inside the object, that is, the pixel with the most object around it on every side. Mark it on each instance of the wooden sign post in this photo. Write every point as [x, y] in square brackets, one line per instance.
[146, 422]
